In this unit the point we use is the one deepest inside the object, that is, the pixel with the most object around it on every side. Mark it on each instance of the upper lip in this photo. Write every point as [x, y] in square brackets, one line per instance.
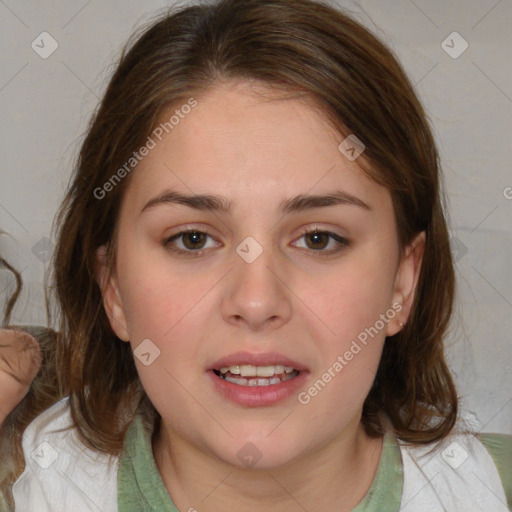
[256, 359]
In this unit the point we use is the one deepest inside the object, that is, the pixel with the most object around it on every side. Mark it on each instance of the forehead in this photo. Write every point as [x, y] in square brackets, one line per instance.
[242, 142]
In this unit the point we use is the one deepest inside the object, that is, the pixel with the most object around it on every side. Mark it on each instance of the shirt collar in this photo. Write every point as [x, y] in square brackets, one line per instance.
[141, 488]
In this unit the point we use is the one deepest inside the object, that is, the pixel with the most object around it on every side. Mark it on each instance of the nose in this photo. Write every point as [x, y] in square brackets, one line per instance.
[257, 296]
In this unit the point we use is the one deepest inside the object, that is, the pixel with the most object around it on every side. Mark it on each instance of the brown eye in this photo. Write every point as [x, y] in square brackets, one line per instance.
[318, 241]
[189, 243]
[196, 239]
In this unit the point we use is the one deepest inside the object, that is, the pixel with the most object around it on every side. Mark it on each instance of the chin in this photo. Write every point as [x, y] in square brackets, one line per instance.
[263, 451]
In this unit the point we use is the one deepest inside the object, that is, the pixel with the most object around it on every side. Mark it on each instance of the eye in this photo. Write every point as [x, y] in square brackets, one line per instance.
[318, 240]
[192, 241]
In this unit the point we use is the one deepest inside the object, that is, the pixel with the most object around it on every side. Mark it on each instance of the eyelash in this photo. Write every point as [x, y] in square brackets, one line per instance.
[343, 242]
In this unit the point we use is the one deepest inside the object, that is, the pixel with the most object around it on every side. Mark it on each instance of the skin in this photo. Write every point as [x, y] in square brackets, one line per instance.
[20, 360]
[290, 300]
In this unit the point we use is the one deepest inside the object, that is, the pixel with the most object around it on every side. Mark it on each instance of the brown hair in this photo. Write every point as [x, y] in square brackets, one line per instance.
[297, 47]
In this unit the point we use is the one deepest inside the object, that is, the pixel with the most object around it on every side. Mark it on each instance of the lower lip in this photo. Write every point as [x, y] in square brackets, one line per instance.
[258, 396]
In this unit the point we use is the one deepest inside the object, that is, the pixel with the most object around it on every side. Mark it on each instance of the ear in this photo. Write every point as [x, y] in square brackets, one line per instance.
[111, 297]
[406, 281]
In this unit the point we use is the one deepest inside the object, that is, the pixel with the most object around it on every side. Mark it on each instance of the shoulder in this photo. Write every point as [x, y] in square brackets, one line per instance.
[499, 447]
[456, 473]
[61, 473]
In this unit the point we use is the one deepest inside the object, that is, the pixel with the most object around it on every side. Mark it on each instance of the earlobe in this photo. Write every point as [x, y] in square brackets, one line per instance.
[110, 295]
[406, 282]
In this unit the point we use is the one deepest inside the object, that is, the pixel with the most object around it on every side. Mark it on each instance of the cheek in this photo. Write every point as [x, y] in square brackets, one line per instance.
[352, 333]
[167, 308]
[156, 298]
[352, 299]
[156, 312]
[350, 353]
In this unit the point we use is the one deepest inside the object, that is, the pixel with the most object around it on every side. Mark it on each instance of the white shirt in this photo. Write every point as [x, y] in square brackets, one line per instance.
[62, 475]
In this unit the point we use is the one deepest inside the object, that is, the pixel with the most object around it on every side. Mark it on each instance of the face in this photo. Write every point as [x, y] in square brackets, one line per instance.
[250, 284]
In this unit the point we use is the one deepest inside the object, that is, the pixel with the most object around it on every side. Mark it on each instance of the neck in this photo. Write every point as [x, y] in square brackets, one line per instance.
[336, 476]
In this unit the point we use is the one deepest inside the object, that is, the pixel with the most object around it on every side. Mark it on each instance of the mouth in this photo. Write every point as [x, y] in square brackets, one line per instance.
[253, 369]
[256, 380]
[251, 376]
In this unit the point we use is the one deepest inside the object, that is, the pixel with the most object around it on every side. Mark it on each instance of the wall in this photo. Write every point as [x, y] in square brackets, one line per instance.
[46, 103]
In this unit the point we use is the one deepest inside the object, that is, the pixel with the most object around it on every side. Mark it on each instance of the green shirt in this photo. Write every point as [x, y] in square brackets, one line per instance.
[141, 488]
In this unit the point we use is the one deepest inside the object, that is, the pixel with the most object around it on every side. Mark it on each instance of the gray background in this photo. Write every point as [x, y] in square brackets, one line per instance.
[46, 103]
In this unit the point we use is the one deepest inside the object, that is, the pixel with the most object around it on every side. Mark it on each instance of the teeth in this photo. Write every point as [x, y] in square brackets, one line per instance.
[259, 382]
[247, 370]
[240, 382]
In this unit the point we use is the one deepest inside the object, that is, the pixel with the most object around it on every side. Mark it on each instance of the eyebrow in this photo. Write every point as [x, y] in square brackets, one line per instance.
[301, 202]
